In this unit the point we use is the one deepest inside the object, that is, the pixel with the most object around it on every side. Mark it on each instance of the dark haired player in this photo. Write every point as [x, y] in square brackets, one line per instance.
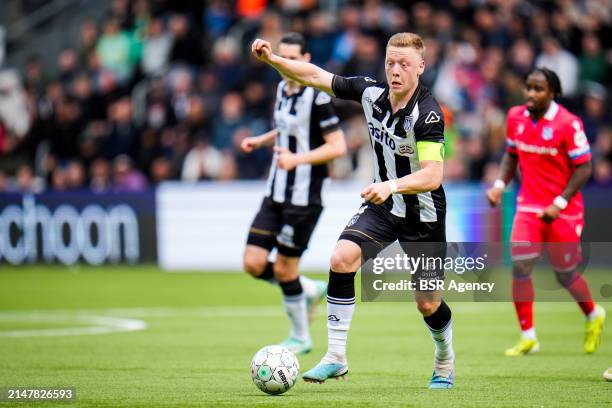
[306, 136]
[405, 201]
[550, 147]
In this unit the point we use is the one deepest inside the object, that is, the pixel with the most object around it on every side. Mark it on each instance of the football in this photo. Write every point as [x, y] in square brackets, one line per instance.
[274, 369]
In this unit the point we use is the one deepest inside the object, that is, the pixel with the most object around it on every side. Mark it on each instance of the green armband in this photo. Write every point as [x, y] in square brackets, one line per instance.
[430, 151]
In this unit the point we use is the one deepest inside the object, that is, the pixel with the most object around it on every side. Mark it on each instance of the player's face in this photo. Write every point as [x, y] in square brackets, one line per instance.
[403, 65]
[538, 94]
[292, 52]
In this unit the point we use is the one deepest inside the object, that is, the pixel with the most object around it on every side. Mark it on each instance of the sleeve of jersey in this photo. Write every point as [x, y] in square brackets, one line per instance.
[350, 88]
[577, 144]
[510, 140]
[429, 126]
[324, 112]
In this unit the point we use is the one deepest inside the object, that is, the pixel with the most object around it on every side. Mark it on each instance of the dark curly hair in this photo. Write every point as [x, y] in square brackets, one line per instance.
[554, 83]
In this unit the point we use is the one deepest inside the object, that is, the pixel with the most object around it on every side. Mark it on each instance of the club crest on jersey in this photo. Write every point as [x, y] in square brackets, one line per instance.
[408, 123]
[406, 149]
[547, 133]
[433, 117]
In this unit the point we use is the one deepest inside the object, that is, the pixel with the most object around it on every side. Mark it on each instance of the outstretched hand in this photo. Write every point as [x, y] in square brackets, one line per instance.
[261, 49]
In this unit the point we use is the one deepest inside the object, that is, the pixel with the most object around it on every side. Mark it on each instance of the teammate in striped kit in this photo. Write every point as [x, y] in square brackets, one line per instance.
[549, 145]
[306, 136]
[405, 202]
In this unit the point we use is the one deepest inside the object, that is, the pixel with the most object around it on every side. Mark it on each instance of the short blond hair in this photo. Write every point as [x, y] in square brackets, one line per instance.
[405, 40]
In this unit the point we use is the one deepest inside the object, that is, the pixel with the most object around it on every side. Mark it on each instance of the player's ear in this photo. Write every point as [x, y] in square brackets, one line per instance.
[421, 66]
[307, 57]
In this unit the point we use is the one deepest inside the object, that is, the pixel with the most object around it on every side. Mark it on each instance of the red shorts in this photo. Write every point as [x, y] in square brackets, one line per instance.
[561, 239]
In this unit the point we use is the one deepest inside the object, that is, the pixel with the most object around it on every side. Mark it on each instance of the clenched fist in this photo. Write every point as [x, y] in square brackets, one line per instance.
[262, 50]
[376, 193]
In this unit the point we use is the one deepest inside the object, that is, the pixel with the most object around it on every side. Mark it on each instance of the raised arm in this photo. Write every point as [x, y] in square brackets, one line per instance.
[303, 72]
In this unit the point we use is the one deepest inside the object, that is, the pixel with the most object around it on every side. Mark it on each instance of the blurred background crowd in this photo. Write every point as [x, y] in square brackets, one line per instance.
[161, 90]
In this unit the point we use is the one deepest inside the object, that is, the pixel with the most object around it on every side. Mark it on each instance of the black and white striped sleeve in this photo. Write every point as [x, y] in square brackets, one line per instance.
[324, 113]
[350, 88]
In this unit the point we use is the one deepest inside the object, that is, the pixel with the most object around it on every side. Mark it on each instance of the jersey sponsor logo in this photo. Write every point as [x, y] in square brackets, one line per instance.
[432, 117]
[408, 123]
[381, 136]
[528, 148]
[547, 133]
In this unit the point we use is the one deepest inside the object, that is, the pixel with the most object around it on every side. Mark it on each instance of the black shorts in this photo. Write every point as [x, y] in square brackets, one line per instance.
[374, 228]
[284, 226]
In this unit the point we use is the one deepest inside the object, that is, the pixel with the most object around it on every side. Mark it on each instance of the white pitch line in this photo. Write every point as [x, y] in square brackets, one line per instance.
[96, 325]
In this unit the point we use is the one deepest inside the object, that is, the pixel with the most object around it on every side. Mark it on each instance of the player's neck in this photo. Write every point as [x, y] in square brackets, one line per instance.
[400, 100]
[292, 87]
[539, 114]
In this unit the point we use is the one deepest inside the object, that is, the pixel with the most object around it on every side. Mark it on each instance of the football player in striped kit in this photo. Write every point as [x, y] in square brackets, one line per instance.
[405, 202]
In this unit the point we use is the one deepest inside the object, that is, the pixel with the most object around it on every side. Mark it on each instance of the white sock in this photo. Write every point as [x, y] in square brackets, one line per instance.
[529, 333]
[298, 316]
[594, 313]
[444, 360]
[339, 316]
[308, 286]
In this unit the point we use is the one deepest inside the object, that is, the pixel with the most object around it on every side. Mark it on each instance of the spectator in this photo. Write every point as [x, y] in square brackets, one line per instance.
[203, 162]
[126, 179]
[100, 181]
[230, 119]
[123, 135]
[88, 41]
[562, 62]
[114, 50]
[592, 61]
[156, 48]
[186, 47]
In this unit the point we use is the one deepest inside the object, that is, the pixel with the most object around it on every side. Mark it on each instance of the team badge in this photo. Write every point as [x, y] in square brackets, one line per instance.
[547, 133]
[406, 149]
[408, 123]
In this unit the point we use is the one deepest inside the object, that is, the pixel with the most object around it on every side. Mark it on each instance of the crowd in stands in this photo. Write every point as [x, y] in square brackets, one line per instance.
[160, 91]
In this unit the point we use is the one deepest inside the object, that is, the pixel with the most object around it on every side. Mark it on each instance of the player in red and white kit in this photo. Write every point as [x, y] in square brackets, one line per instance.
[550, 147]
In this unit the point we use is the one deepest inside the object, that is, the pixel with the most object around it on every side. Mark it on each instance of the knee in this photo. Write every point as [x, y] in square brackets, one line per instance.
[565, 279]
[284, 272]
[253, 265]
[427, 308]
[338, 262]
[522, 269]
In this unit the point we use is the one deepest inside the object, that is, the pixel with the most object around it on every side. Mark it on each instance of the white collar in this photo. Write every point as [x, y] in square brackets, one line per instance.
[552, 111]
[550, 114]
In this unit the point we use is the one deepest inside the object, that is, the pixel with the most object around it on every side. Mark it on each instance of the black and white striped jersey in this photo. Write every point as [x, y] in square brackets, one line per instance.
[394, 140]
[302, 120]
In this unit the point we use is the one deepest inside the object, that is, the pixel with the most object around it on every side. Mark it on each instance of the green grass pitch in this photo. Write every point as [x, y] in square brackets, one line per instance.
[203, 329]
